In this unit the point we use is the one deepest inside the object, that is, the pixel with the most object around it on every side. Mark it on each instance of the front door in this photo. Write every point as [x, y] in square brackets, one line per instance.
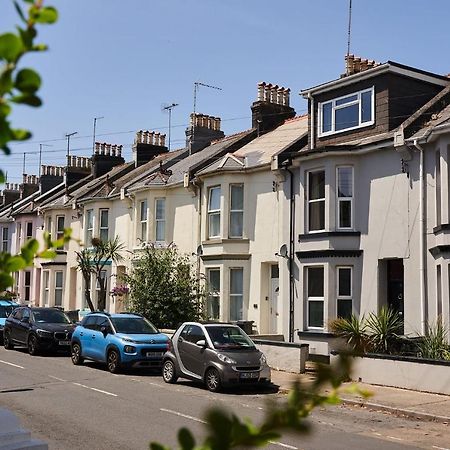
[274, 304]
[395, 286]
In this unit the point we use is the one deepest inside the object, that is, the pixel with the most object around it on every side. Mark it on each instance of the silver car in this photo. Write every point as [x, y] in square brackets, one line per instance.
[217, 354]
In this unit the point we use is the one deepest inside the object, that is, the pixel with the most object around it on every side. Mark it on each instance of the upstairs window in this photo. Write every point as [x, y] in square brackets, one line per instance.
[143, 215]
[236, 210]
[214, 212]
[345, 198]
[347, 113]
[49, 226]
[89, 226]
[29, 230]
[316, 201]
[104, 225]
[60, 228]
[5, 239]
[160, 219]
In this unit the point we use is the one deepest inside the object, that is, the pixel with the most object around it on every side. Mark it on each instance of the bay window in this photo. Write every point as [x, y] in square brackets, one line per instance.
[345, 197]
[214, 195]
[104, 225]
[349, 112]
[5, 239]
[344, 292]
[316, 200]
[60, 228]
[45, 287]
[236, 293]
[160, 219]
[236, 210]
[89, 226]
[143, 217]
[58, 288]
[213, 301]
[315, 296]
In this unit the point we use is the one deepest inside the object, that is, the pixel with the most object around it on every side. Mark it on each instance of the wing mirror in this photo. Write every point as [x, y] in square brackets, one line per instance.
[25, 320]
[106, 330]
[201, 343]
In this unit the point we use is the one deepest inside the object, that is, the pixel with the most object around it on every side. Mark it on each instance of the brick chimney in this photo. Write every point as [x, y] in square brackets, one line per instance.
[10, 194]
[202, 131]
[106, 156]
[50, 177]
[30, 184]
[78, 167]
[147, 145]
[272, 107]
[355, 64]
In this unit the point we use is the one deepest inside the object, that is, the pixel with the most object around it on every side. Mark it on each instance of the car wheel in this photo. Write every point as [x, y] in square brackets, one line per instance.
[33, 346]
[7, 343]
[76, 357]
[113, 361]
[212, 380]
[169, 372]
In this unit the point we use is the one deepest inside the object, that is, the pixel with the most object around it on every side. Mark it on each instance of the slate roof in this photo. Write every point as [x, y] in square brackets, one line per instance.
[261, 150]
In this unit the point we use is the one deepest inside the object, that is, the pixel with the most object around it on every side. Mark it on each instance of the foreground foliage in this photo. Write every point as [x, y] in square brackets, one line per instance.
[164, 287]
[225, 430]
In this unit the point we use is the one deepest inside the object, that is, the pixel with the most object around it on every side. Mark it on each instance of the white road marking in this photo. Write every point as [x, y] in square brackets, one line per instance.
[395, 438]
[196, 419]
[440, 448]
[11, 364]
[94, 389]
[56, 378]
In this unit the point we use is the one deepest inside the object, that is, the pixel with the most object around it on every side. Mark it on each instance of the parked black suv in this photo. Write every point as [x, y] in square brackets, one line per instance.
[38, 329]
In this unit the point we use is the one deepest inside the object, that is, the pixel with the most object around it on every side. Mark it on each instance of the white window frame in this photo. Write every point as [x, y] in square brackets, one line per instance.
[58, 288]
[49, 225]
[5, 239]
[160, 221]
[335, 107]
[19, 235]
[45, 287]
[345, 199]
[309, 201]
[338, 294]
[89, 227]
[233, 212]
[214, 212]
[102, 228]
[27, 286]
[236, 295]
[314, 298]
[60, 233]
[28, 224]
[143, 221]
[212, 294]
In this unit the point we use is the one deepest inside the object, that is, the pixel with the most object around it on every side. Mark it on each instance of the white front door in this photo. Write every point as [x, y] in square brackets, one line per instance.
[274, 306]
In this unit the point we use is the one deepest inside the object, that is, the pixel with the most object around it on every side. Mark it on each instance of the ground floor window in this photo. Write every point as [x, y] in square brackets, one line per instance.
[236, 293]
[45, 287]
[315, 296]
[213, 301]
[344, 292]
[27, 286]
[58, 288]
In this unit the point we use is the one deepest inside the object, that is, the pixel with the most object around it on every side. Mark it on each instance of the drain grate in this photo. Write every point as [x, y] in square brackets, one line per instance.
[7, 391]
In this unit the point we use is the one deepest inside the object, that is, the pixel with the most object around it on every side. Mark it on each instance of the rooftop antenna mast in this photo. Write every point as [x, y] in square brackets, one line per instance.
[68, 136]
[169, 108]
[349, 32]
[40, 155]
[197, 84]
[93, 134]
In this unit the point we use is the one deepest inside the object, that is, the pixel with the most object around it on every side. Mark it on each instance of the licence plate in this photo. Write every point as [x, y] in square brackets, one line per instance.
[154, 354]
[64, 343]
[248, 375]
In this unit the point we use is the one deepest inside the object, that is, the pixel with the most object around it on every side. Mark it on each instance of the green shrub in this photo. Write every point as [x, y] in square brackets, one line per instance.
[353, 331]
[434, 344]
[384, 329]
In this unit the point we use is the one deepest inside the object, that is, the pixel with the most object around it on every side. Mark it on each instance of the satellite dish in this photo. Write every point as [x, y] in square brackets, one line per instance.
[283, 251]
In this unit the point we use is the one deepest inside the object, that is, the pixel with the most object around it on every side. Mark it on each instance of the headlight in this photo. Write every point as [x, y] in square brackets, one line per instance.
[129, 349]
[125, 339]
[262, 360]
[225, 359]
[44, 333]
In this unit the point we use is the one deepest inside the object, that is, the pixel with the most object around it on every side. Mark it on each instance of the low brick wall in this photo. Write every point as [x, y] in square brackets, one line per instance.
[287, 356]
[418, 374]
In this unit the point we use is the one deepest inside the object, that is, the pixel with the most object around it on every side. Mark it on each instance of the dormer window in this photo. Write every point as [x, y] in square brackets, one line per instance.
[347, 113]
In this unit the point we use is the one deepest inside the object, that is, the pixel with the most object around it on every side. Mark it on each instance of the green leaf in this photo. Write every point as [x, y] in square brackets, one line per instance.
[5, 281]
[6, 82]
[48, 254]
[39, 47]
[27, 99]
[46, 15]
[2, 177]
[14, 264]
[5, 109]
[186, 439]
[28, 81]
[20, 12]
[20, 135]
[27, 36]
[10, 47]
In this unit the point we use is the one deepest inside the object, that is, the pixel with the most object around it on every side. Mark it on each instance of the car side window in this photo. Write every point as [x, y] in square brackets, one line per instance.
[18, 314]
[194, 334]
[183, 334]
[26, 314]
[101, 322]
[90, 323]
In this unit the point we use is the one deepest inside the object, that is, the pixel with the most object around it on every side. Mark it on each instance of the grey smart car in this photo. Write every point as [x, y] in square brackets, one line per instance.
[217, 354]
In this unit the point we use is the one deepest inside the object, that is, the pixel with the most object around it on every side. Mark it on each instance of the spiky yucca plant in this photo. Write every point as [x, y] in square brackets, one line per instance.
[435, 342]
[353, 331]
[384, 328]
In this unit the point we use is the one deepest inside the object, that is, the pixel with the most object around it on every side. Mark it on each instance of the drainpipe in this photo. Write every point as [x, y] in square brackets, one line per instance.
[422, 237]
[291, 252]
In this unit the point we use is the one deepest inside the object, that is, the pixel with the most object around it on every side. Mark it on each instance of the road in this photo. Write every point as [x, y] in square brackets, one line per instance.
[86, 407]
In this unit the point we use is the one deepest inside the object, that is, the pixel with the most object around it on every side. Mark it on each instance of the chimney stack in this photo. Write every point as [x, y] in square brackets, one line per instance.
[78, 167]
[30, 184]
[50, 177]
[355, 64]
[10, 193]
[147, 145]
[203, 129]
[271, 108]
[105, 157]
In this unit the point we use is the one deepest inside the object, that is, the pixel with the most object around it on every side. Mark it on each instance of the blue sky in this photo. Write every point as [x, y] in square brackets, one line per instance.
[125, 59]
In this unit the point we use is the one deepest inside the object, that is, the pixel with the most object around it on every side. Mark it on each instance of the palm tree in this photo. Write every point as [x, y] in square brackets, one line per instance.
[92, 261]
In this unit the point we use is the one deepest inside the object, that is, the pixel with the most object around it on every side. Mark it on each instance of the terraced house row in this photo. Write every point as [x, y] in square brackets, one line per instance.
[293, 222]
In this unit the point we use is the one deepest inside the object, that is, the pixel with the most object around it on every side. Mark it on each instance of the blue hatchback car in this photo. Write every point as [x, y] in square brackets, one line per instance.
[6, 308]
[119, 340]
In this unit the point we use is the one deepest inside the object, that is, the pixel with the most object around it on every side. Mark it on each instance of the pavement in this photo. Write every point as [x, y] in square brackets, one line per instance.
[401, 402]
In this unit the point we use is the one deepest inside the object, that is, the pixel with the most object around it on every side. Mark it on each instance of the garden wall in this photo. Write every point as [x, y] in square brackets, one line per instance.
[402, 372]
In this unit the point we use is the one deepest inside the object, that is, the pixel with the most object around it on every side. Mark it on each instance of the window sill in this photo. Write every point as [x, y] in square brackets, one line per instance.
[215, 241]
[315, 334]
[327, 234]
[334, 133]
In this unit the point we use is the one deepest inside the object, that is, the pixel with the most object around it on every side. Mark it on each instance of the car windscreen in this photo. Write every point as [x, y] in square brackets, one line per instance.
[133, 325]
[49, 316]
[230, 338]
[5, 311]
